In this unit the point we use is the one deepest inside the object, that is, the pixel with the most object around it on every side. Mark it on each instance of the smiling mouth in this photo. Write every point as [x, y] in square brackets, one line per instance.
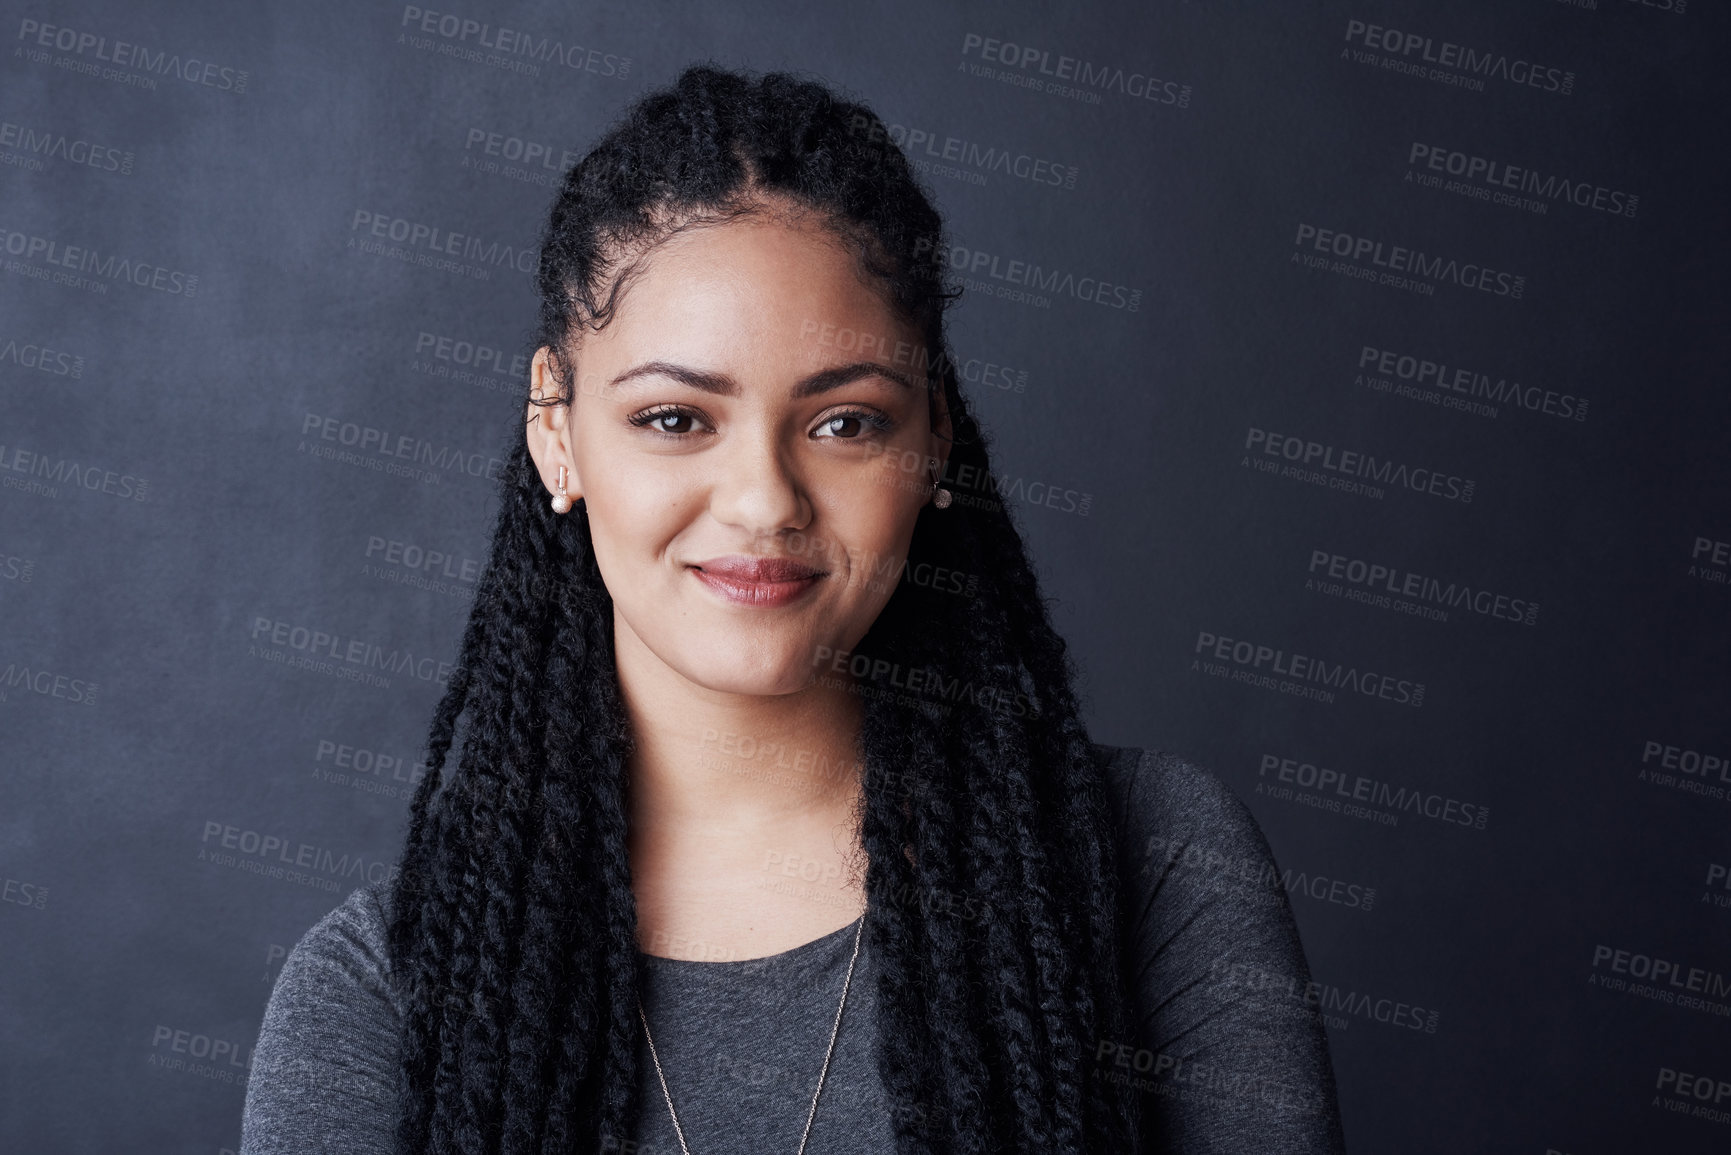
[753, 581]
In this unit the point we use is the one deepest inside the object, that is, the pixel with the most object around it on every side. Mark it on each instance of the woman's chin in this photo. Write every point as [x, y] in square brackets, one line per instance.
[797, 666]
[791, 679]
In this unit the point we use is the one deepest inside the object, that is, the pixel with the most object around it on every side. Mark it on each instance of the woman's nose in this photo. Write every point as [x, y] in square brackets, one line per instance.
[758, 487]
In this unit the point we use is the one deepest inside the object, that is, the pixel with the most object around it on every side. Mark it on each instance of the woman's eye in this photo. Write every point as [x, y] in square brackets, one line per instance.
[852, 425]
[671, 422]
[848, 426]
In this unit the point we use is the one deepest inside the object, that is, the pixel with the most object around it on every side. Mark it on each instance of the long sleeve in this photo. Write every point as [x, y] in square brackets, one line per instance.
[324, 1072]
[1229, 1052]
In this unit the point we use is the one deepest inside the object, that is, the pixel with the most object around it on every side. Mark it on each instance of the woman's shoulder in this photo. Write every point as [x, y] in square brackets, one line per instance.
[1186, 841]
[1220, 976]
[323, 1071]
[342, 962]
[351, 934]
[1164, 796]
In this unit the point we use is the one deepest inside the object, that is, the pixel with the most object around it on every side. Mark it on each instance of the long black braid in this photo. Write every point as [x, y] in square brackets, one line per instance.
[513, 923]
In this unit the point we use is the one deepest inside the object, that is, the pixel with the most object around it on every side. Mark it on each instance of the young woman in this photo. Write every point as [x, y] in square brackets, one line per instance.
[773, 825]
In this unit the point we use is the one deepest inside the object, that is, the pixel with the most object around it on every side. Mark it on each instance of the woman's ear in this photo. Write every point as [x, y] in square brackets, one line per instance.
[942, 434]
[548, 427]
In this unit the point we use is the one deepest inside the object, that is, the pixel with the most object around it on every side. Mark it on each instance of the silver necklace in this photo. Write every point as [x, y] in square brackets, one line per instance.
[833, 1031]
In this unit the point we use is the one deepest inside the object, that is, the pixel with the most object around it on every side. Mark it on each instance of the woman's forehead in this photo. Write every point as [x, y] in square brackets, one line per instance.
[744, 285]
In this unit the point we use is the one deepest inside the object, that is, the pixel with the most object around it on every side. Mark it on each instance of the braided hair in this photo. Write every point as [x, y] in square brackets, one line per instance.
[512, 922]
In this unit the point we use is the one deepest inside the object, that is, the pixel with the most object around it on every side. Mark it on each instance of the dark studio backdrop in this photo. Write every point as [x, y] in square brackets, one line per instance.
[1358, 376]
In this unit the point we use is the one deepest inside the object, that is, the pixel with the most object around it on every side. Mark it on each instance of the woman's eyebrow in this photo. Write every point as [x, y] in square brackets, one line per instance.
[720, 383]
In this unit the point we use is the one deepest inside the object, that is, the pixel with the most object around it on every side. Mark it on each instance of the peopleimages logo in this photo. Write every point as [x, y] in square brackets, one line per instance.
[1665, 974]
[261, 853]
[469, 362]
[58, 146]
[1401, 266]
[1376, 580]
[434, 240]
[1168, 1074]
[1253, 875]
[1331, 1002]
[1718, 879]
[57, 471]
[271, 639]
[1438, 382]
[1308, 677]
[1340, 787]
[33, 249]
[1411, 51]
[1500, 180]
[1707, 1092]
[1710, 560]
[927, 148]
[41, 358]
[399, 448]
[1687, 761]
[1312, 456]
[91, 46]
[552, 158]
[1687, 771]
[1003, 273]
[1070, 76]
[364, 769]
[428, 562]
[511, 45]
[35, 680]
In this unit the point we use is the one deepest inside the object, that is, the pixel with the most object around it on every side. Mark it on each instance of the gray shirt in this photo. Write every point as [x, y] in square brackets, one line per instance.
[1228, 1051]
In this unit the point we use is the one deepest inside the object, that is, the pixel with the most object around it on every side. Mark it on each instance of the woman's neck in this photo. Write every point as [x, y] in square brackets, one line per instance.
[742, 812]
[742, 757]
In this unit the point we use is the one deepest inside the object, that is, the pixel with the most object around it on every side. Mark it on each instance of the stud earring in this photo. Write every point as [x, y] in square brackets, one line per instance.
[940, 497]
[561, 501]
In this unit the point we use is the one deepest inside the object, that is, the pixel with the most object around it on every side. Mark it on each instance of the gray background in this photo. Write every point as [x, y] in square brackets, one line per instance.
[161, 494]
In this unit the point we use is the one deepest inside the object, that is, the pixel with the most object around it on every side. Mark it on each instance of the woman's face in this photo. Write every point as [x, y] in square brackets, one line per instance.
[753, 400]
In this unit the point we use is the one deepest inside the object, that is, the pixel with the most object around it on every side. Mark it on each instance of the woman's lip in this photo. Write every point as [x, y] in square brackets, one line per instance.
[756, 593]
[744, 569]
